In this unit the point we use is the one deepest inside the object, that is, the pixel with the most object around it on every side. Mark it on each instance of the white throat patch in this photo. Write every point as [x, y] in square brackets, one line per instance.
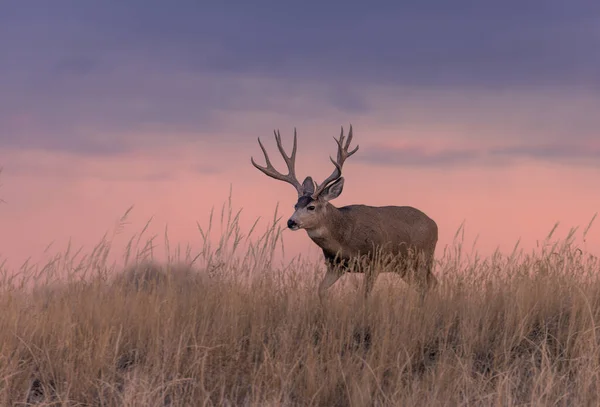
[319, 232]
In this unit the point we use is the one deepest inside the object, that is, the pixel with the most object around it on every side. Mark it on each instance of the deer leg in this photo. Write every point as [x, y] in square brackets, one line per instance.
[330, 278]
[370, 277]
[425, 280]
[416, 272]
[432, 282]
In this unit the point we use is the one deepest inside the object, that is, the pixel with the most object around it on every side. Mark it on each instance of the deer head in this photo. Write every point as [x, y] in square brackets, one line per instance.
[313, 205]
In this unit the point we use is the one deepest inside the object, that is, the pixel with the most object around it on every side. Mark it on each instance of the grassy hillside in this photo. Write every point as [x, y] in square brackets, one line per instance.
[233, 328]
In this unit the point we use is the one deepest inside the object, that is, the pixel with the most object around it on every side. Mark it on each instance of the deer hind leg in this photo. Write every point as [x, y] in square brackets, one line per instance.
[425, 280]
[416, 271]
[331, 276]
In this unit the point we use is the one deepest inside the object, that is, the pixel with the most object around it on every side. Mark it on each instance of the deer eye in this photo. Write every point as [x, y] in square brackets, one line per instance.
[311, 208]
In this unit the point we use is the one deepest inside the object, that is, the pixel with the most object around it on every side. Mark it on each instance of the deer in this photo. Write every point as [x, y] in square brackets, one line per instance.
[357, 238]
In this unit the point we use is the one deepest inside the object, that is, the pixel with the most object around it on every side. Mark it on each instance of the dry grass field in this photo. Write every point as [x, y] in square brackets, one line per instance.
[227, 327]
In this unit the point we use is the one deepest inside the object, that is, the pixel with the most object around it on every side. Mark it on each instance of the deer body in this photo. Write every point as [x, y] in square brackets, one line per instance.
[355, 229]
[402, 237]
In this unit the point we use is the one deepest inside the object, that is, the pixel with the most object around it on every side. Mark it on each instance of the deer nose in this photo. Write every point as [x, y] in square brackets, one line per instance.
[291, 224]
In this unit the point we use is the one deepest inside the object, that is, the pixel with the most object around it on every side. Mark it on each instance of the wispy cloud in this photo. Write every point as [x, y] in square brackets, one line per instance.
[422, 156]
[552, 152]
[418, 155]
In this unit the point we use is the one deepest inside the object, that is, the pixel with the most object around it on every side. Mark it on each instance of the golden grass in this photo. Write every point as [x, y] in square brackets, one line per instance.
[226, 327]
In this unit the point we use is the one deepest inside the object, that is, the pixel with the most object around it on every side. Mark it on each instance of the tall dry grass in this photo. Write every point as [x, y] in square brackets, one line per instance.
[232, 327]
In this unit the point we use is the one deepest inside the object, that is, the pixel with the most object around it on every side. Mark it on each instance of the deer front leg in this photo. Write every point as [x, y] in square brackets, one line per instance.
[369, 281]
[331, 276]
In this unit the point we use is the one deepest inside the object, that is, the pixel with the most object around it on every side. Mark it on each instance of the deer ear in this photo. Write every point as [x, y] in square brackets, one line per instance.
[333, 191]
[308, 186]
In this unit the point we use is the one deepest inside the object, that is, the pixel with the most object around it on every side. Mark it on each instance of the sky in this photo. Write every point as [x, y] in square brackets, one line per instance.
[476, 112]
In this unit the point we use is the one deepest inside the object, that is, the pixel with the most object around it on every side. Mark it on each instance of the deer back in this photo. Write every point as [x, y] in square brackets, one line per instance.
[359, 229]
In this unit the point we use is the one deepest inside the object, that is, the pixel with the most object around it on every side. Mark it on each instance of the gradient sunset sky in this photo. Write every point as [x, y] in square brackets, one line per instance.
[475, 111]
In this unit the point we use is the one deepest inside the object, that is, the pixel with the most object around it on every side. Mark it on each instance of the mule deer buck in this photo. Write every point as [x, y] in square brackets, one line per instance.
[356, 236]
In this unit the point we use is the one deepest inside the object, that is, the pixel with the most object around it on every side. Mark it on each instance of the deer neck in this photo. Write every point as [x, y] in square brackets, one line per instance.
[332, 231]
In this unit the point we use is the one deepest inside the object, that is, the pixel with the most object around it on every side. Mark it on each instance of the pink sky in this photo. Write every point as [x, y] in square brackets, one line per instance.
[54, 196]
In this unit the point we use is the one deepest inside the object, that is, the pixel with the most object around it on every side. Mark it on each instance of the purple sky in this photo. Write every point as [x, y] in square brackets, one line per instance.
[72, 69]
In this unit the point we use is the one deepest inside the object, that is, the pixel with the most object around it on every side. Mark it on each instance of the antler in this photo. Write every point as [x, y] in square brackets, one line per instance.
[342, 154]
[290, 162]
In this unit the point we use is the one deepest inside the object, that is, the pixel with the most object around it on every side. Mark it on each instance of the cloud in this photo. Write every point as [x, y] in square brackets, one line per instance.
[111, 112]
[87, 77]
[422, 156]
[69, 168]
[417, 155]
[425, 43]
[404, 43]
[552, 152]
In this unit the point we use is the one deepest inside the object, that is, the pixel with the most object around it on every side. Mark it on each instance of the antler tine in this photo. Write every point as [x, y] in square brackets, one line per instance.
[349, 141]
[290, 161]
[342, 155]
